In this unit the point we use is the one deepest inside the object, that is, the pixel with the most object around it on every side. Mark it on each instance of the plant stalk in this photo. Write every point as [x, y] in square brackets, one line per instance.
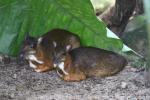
[147, 14]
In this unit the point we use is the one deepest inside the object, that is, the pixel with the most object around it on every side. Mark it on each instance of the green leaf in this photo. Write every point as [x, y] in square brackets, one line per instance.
[36, 17]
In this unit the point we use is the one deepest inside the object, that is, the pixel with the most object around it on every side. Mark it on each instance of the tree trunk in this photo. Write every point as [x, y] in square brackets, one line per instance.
[139, 7]
[116, 17]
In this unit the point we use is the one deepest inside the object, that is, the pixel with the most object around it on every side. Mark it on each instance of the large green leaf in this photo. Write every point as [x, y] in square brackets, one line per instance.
[36, 17]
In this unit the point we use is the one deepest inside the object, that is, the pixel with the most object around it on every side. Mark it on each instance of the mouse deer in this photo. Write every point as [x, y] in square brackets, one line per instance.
[83, 62]
[41, 56]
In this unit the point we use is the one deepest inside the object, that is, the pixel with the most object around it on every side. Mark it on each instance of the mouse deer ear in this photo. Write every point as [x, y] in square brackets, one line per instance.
[54, 44]
[39, 40]
[68, 48]
[30, 41]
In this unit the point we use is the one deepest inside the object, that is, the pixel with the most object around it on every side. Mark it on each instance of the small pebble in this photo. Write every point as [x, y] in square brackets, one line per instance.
[15, 76]
[1, 58]
[123, 85]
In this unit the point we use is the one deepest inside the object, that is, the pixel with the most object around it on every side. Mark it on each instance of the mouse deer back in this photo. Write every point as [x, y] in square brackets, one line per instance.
[83, 62]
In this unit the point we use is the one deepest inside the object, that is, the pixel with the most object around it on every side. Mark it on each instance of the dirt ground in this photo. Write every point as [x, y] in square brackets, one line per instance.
[22, 83]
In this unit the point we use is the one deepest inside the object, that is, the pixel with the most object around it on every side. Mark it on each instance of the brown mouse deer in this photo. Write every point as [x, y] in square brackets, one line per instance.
[40, 57]
[83, 62]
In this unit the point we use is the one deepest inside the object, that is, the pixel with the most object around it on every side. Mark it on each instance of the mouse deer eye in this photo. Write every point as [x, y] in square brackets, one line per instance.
[32, 45]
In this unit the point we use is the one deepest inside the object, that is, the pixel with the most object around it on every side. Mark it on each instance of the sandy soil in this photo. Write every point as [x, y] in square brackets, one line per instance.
[22, 83]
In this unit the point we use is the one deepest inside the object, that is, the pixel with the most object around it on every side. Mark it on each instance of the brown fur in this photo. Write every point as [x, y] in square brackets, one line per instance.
[85, 62]
[43, 56]
[45, 49]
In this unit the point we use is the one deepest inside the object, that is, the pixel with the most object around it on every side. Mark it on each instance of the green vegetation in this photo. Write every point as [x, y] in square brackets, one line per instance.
[36, 17]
